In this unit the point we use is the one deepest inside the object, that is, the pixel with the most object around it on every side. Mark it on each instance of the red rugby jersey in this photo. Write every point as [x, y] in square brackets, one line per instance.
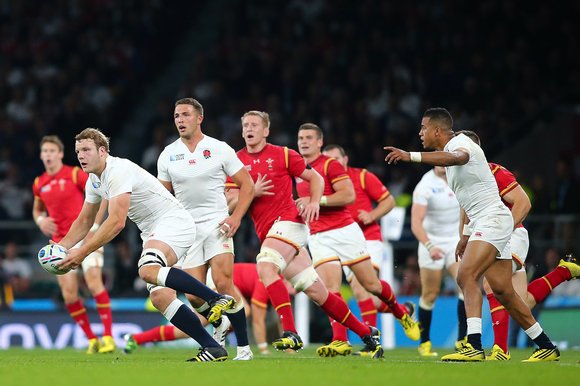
[280, 164]
[368, 188]
[506, 182]
[62, 195]
[247, 280]
[331, 217]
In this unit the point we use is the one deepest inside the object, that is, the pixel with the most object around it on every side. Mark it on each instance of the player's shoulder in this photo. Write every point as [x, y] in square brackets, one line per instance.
[495, 168]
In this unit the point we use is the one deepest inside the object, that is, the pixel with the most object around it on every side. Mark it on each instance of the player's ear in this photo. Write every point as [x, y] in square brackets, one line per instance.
[199, 119]
[266, 131]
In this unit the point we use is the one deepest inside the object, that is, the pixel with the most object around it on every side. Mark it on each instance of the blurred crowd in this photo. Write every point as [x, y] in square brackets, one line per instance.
[363, 71]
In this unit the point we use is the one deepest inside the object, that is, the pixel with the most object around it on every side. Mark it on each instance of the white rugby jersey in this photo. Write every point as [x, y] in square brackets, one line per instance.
[149, 199]
[473, 183]
[199, 178]
[442, 217]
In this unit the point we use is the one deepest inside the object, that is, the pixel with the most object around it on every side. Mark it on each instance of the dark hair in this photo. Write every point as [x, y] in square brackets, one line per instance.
[311, 126]
[193, 102]
[335, 147]
[471, 134]
[440, 115]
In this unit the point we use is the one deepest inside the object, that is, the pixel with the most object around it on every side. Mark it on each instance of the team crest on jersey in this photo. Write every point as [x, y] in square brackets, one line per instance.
[177, 157]
[206, 154]
[270, 161]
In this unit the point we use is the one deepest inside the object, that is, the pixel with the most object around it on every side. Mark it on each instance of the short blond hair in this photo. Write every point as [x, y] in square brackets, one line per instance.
[100, 139]
[262, 114]
[52, 139]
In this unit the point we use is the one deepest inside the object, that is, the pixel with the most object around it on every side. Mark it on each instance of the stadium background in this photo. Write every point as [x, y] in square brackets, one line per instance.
[363, 71]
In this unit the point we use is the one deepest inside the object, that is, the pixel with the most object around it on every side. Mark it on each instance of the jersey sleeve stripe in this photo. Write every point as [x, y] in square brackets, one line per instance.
[495, 169]
[363, 174]
[326, 163]
[508, 188]
[286, 162]
[339, 179]
[383, 196]
[75, 173]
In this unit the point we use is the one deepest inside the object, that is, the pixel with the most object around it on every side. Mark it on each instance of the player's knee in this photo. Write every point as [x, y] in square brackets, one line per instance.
[270, 255]
[427, 303]
[151, 261]
[160, 298]
[267, 271]
[304, 279]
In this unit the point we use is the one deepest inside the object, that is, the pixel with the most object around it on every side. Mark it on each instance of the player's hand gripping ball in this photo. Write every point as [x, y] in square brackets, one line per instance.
[49, 256]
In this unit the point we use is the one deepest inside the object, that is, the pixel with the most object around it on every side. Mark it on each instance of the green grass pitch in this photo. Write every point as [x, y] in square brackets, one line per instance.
[167, 367]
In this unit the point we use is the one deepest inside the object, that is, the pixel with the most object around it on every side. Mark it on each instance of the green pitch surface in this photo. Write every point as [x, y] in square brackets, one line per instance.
[167, 367]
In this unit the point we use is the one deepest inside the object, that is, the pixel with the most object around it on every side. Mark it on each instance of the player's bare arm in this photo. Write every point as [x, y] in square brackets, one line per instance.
[99, 218]
[232, 195]
[109, 229]
[463, 236]
[45, 223]
[383, 207]
[311, 210]
[418, 214]
[244, 181]
[521, 204]
[436, 158]
[81, 226]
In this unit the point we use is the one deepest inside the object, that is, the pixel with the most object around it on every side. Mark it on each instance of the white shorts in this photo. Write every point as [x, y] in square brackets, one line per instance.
[448, 247]
[293, 233]
[519, 245]
[209, 242]
[494, 227]
[376, 249]
[346, 245]
[94, 259]
[176, 229]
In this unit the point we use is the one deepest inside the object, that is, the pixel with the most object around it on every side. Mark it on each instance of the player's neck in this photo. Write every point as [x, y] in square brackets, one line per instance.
[54, 170]
[257, 147]
[312, 157]
[101, 168]
[191, 142]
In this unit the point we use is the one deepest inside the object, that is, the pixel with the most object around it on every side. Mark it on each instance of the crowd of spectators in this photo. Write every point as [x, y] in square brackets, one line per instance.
[363, 71]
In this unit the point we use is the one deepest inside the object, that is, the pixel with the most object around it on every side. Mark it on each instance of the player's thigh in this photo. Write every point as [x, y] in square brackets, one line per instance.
[365, 273]
[479, 255]
[520, 283]
[298, 264]
[499, 277]
[519, 246]
[331, 275]
[172, 235]
[69, 285]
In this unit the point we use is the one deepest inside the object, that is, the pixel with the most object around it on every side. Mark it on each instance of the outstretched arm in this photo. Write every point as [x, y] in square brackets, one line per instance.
[436, 158]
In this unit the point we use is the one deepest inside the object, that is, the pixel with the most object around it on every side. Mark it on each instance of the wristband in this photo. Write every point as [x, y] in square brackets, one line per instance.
[415, 156]
[323, 201]
[466, 231]
[94, 227]
[429, 245]
[38, 219]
